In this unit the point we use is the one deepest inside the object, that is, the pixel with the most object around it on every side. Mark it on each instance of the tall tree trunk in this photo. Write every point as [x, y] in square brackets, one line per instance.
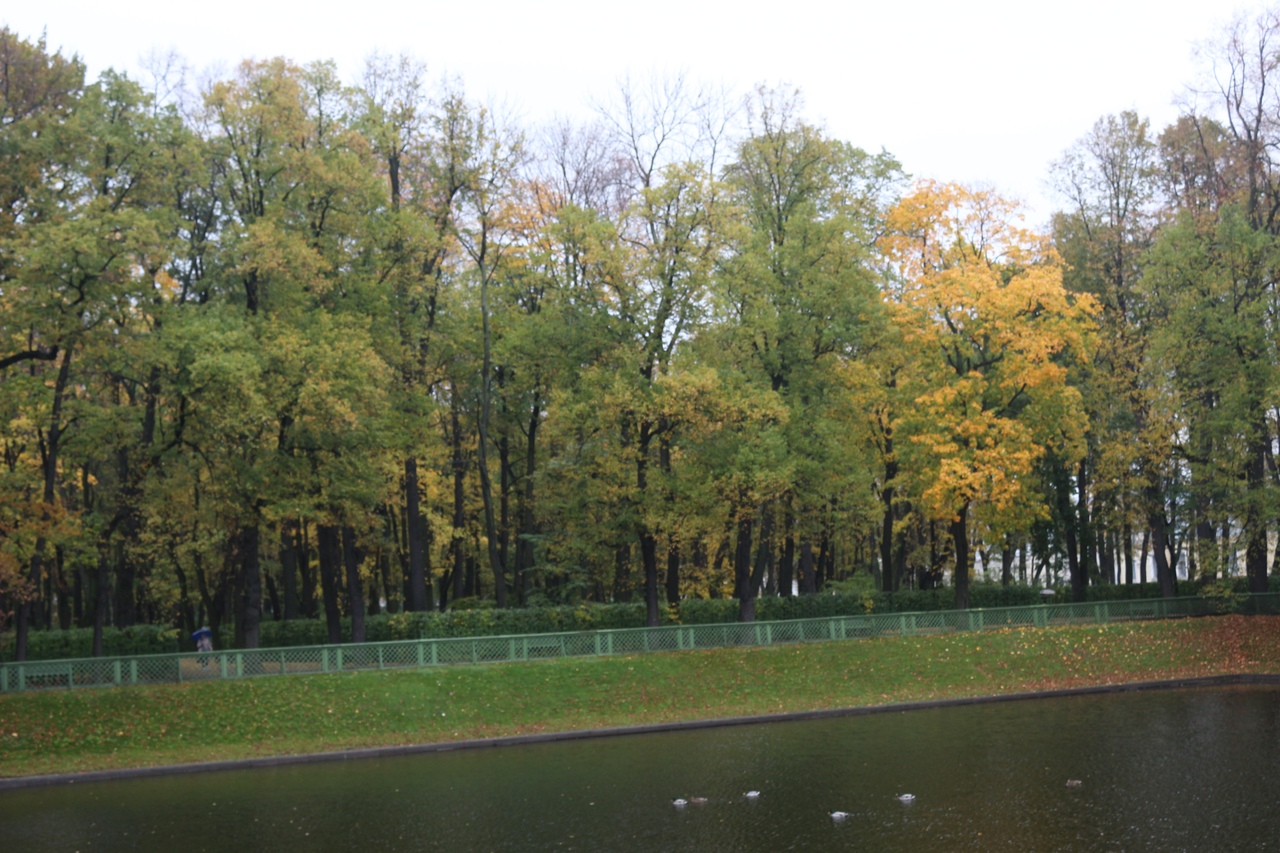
[273, 596]
[289, 569]
[528, 526]
[808, 583]
[77, 598]
[672, 583]
[471, 579]
[1160, 541]
[1071, 519]
[416, 533]
[187, 614]
[649, 562]
[102, 602]
[383, 563]
[505, 483]
[1142, 562]
[328, 548]
[960, 540]
[250, 604]
[1127, 533]
[648, 538]
[1255, 523]
[52, 444]
[482, 446]
[1106, 557]
[63, 589]
[1088, 539]
[824, 558]
[125, 592]
[742, 572]
[457, 544]
[787, 566]
[1206, 544]
[622, 572]
[764, 550]
[302, 548]
[353, 556]
[1006, 561]
[888, 580]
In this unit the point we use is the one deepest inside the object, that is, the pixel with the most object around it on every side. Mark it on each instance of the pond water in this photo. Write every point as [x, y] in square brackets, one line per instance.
[1187, 770]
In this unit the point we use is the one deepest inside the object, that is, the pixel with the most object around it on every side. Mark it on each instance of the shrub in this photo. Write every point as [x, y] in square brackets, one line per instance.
[479, 620]
[78, 642]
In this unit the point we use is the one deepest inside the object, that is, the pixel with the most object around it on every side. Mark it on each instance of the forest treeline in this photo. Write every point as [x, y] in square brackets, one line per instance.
[276, 346]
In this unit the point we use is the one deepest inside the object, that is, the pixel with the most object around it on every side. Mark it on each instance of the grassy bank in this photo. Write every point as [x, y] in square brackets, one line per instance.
[60, 731]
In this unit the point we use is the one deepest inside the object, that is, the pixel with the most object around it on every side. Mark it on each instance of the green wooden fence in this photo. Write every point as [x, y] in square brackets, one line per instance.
[412, 654]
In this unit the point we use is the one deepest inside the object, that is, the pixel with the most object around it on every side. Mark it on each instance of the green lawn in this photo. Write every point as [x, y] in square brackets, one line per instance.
[60, 731]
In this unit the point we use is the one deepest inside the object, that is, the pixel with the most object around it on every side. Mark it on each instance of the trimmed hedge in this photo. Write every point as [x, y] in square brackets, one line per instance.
[487, 621]
[78, 642]
[481, 622]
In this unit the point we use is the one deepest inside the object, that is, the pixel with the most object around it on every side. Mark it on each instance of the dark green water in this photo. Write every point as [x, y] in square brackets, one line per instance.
[1194, 770]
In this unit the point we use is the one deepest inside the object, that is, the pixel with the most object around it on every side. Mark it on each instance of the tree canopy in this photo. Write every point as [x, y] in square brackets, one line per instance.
[289, 347]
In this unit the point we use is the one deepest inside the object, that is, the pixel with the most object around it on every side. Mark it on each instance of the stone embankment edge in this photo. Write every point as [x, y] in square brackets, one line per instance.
[585, 734]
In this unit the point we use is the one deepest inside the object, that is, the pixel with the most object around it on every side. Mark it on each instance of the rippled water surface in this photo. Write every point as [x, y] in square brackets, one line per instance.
[1191, 770]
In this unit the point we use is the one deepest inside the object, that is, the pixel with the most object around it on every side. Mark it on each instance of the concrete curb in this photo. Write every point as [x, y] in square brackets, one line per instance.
[553, 737]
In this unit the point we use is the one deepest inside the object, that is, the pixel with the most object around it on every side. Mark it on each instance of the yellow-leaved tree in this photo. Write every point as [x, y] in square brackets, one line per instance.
[990, 331]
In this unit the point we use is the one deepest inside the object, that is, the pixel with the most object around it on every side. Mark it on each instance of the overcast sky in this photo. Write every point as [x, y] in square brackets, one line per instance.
[978, 91]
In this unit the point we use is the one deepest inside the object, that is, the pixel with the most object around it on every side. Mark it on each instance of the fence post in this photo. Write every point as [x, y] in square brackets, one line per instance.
[435, 654]
[768, 633]
[133, 670]
[115, 671]
[239, 664]
[22, 678]
[420, 660]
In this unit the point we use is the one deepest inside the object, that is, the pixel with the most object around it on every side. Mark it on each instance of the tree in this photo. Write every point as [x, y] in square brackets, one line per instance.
[85, 253]
[1109, 179]
[982, 307]
[1214, 273]
[800, 304]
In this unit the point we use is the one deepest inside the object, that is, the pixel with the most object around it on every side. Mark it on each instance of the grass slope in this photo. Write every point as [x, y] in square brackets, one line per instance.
[64, 731]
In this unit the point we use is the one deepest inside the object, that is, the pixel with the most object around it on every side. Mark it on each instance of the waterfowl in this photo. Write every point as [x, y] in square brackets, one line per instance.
[1074, 783]
[839, 816]
[679, 802]
[906, 798]
[751, 795]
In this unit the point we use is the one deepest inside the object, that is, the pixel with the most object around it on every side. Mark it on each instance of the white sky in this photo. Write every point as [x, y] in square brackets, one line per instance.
[977, 91]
